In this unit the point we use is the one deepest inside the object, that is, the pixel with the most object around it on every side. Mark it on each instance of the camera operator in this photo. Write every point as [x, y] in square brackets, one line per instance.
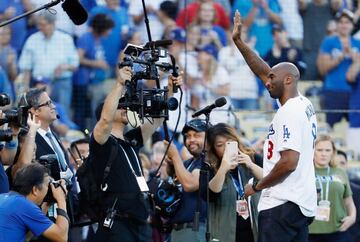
[188, 174]
[20, 212]
[125, 201]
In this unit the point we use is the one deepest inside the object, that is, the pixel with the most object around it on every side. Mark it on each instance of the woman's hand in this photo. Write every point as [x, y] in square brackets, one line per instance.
[346, 223]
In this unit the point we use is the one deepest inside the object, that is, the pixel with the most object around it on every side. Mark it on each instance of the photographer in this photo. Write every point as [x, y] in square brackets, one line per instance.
[20, 212]
[188, 173]
[125, 200]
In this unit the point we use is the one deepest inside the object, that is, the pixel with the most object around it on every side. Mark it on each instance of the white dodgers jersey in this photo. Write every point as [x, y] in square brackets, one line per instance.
[294, 127]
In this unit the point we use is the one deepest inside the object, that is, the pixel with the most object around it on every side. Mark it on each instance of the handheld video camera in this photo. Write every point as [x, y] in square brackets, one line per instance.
[147, 102]
[15, 117]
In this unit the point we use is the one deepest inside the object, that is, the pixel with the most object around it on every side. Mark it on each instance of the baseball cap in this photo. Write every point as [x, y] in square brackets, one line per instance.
[40, 80]
[178, 34]
[345, 13]
[198, 125]
[210, 49]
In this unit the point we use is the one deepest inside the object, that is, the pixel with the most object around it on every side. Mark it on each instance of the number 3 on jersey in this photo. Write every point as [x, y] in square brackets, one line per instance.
[270, 150]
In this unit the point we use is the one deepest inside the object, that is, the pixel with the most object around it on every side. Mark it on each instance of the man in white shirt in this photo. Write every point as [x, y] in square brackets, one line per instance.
[288, 199]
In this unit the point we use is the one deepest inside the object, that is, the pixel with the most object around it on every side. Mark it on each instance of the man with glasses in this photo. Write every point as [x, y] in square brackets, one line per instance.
[188, 174]
[43, 109]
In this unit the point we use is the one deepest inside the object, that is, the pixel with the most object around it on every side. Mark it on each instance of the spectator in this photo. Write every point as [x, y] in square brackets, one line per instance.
[115, 41]
[94, 69]
[259, 16]
[227, 169]
[210, 34]
[331, 28]
[8, 54]
[226, 4]
[213, 82]
[5, 84]
[20, 209]
[192, 10]
[316, 14]
[167, 13]
[337, 61]
[51, 54]
[188, 173]
[292, 21]
[137, 15]
[282, 51]
[243, 84]
[10, 9]
[336, 211]
[79, 151]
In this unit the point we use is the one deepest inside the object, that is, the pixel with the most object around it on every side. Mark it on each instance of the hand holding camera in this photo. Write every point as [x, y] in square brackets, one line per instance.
[59, 191]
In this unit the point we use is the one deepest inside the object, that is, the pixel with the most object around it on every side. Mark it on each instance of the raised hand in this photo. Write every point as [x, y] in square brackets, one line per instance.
[236, 34]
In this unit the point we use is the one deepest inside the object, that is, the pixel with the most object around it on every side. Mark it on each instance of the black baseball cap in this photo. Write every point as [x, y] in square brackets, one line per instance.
[198, 125]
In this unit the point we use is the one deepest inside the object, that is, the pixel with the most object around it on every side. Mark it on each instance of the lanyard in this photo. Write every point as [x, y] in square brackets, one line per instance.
[238, 183]
[128, 160]
[327, 178]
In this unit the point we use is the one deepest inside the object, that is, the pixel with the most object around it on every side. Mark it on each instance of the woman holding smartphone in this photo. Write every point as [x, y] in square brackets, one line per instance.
[231, 164]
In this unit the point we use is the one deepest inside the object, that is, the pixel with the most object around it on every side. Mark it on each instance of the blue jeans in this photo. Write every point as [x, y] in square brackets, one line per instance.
[61, 92]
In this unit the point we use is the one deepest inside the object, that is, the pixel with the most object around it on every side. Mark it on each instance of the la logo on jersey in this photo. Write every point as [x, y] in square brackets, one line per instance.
[286, 133]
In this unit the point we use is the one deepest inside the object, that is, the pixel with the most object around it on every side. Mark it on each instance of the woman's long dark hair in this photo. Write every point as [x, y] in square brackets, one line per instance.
[225, 130]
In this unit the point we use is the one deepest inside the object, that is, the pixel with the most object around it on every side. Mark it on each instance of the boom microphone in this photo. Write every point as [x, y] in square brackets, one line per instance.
[75, 11]
[221, 101]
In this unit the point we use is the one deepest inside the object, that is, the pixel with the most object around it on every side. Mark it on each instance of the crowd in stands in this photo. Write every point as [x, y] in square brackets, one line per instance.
[77, 65]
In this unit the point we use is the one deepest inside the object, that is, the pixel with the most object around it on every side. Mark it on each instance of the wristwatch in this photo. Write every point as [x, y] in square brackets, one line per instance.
[254, 186]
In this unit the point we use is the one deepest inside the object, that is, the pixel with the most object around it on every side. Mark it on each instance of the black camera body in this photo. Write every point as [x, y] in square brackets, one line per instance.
[150, 102]
[15, 117]
[51, 163]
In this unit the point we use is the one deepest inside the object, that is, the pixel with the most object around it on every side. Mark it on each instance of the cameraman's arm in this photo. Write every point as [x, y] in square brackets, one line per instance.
[103, 127]
[59, 231]
[7, 154]
[27, 149]
[147, 129]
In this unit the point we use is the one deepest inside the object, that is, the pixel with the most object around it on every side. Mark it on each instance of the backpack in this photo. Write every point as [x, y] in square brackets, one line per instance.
[91, 187]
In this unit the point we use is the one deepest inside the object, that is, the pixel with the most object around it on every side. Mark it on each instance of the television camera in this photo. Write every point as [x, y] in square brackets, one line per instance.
[16, 117]
[144, 60]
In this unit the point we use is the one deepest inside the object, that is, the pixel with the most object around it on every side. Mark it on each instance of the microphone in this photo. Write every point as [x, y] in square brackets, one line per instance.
[75, 11]
[158, 43]
[57, 116]
[221, 101]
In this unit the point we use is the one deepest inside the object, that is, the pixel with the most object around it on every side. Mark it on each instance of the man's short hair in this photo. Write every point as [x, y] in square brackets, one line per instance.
[28, 177]
[31, 98]
[49, 17]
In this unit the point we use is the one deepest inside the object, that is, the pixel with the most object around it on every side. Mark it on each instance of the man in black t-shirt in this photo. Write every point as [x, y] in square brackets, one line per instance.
[125, 201]
[188, 174]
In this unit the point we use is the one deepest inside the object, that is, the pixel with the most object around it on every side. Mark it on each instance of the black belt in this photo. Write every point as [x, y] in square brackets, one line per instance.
[183, 226]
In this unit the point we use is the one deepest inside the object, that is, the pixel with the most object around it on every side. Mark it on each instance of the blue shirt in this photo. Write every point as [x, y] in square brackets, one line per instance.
[18, 27]
[19, 215]
[113, 42]
[189, 200]
[261, 26]
[4, 181]
[335, 79]
[42, 55]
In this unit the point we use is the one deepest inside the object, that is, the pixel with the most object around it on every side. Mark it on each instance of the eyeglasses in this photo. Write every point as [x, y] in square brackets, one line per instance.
[48, 103]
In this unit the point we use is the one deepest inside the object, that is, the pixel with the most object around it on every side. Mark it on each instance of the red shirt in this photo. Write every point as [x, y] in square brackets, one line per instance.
[192, 10]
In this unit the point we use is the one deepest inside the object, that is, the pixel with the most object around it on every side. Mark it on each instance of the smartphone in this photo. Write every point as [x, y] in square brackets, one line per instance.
[232, 148]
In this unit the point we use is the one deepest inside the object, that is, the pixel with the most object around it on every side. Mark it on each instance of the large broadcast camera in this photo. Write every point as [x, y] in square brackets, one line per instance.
[16, 117]
[144, 60]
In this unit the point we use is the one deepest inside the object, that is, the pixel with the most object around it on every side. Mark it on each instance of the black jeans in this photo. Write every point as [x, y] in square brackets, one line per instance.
[124, 230]
[284, 223]
[333, 237]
